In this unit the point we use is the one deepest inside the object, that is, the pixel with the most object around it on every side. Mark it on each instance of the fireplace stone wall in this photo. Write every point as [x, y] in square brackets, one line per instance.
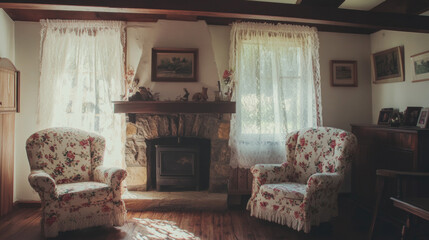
[214, 127]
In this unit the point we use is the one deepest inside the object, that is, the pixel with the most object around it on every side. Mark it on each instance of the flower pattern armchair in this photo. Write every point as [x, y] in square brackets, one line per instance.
[76, 191]
[303, 191]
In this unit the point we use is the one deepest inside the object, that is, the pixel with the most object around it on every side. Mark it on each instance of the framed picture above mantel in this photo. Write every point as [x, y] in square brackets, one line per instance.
[387, 66]
[174, 64]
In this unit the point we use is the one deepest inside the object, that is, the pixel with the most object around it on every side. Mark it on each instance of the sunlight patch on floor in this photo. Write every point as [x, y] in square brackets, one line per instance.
[152, 229]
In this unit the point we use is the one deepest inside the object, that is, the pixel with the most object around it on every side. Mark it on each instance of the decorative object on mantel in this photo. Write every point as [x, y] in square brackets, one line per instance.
[185, 96]
[385, 116]
[420, 66]
[144, 94]
[387, 66]
[226, 87]
[423, 118]
[200, 96]
[344, 73]
[174, 64]
[411, 116]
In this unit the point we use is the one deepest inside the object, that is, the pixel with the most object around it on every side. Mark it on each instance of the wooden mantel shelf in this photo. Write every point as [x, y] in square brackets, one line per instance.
[173, 107]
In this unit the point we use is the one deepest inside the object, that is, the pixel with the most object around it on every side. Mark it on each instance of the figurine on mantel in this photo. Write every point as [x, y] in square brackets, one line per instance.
[200, 96]
[185, 96]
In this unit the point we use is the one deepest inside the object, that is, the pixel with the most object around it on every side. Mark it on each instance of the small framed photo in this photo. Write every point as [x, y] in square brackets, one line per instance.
[387, 66]
[411, 116]
[384, 116]
[174, 64]
[420, 66]
[344, 73]
[423, 118]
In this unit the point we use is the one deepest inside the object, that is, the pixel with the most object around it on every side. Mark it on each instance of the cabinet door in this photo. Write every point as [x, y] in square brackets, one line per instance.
[7, 90]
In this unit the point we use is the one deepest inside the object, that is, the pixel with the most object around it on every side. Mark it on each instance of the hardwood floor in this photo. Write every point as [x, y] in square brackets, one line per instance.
[24, 223]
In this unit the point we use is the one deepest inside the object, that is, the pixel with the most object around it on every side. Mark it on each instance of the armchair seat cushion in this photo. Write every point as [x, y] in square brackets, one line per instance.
[289, 190]
[82, 193]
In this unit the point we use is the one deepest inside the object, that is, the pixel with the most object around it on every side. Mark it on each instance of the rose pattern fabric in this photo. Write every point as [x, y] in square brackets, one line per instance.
[75, 189]
[303, 191]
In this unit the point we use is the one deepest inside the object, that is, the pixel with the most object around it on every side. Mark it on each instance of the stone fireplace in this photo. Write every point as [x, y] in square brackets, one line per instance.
[209, 129]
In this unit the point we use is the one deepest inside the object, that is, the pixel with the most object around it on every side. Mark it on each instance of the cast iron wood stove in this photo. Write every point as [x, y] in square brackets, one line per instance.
[177, 166]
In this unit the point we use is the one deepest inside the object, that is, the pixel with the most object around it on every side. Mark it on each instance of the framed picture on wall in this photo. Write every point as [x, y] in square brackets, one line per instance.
[174, 64]
[387, 66]
[423, 118]
[420, 66]
[344, 73]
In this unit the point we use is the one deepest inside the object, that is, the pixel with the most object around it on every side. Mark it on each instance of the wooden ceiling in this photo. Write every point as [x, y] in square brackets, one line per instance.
[399, 15]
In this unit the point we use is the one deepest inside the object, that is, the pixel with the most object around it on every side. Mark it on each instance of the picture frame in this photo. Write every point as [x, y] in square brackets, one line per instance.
[420, 66]
[384, 116]
[411, 115]
[387, 66]
[174, 64]
[423, 118]
[344, 73]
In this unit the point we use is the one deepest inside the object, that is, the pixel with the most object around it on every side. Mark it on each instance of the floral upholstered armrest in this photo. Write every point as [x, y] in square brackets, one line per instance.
[43, 183]
[324, 181]
[111, 176]
[267, 173]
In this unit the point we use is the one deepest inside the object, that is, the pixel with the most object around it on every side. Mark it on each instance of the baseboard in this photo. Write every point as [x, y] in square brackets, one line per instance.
[27, 204]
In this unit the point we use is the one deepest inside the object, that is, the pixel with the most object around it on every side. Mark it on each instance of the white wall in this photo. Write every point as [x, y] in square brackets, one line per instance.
[345, 105]
[399, 94]
[27, 37]
[7, 36]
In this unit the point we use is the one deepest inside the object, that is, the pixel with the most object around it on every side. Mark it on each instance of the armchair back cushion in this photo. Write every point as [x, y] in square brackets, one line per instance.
[67, 155]
[318, 150]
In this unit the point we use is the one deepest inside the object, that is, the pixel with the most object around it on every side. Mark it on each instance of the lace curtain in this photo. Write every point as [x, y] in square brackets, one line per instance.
[277, 90]
[82, 70]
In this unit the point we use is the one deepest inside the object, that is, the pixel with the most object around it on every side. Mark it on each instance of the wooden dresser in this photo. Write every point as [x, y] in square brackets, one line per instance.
[383, 147]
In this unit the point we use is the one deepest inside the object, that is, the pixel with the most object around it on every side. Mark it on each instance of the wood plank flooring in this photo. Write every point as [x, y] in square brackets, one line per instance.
[24, 223]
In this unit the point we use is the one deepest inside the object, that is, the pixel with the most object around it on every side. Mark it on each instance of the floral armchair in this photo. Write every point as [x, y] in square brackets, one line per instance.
[303, 191]
[76, 191]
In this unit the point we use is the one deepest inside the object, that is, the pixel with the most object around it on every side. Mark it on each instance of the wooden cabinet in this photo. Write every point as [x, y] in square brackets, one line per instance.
[9, 85]
[383, 147]
[9, 104]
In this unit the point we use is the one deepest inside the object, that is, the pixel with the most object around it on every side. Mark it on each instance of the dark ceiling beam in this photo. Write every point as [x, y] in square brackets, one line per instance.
[319, 3]
[239, 10]
[403, 6]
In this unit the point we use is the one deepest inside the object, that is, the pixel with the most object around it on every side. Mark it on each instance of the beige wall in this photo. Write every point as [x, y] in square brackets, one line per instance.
[345, 105]
[399, 94]
[341, 105]
[27, 36]
[7, 36]
[141, 38]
